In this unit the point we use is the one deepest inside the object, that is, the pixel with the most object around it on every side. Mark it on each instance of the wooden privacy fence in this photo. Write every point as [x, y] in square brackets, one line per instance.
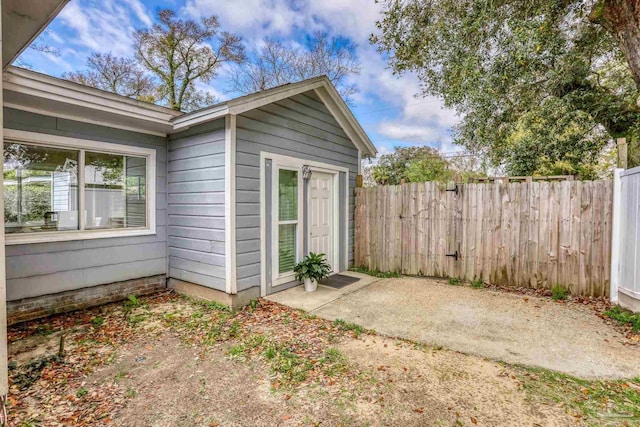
[531, 234]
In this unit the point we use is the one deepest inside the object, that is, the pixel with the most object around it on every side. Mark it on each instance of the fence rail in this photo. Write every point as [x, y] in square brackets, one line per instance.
[531, 234]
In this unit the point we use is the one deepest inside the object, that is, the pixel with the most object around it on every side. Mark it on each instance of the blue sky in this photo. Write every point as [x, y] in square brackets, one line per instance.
[385, 105]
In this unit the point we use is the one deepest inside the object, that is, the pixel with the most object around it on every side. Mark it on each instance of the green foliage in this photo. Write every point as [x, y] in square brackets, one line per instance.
[625, 317]
[418, 164]
[253, 304]
[216, 306]
[82, 392]
[478, 283]
[375, 273]
[97, 321]
[539, 86]
[313, 266]
[559, 293]
[132, 301]
[598, 402]
[454, 281]
[347, 326]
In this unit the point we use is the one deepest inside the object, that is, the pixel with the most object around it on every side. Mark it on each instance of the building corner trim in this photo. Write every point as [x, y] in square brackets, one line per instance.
[230, 202]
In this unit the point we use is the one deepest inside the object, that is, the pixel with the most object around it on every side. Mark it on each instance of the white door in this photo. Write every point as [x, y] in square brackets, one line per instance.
[321, 215]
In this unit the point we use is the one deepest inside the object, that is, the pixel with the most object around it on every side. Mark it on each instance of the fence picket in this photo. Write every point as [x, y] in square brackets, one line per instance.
[532, 234]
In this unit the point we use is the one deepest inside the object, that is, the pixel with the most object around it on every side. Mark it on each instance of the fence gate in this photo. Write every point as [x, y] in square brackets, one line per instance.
[534, 234]
[625, 271]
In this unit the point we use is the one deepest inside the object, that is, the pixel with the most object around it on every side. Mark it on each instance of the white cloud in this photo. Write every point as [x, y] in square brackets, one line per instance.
[103, 27]
[253, 19]
[107, 27]
[139, 10]
[408, 132]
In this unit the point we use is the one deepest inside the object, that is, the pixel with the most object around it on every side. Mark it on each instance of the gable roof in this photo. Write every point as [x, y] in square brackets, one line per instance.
[40, 93]
[322, 87]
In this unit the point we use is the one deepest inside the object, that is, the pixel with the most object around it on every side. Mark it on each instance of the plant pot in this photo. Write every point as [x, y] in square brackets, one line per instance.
[310, 285]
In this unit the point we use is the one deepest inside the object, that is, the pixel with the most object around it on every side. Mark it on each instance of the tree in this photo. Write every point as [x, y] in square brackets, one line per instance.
[118, 75]
[275, 64]
[538, 83]
[419, 164]
[41, 45]
[179, 53]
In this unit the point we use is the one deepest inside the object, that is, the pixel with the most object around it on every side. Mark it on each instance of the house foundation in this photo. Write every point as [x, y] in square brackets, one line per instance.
[79, 299]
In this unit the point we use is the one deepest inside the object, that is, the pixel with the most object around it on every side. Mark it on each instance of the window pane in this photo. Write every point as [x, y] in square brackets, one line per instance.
[40, 188]
[288, 195]
[115, 191]
[287, 247]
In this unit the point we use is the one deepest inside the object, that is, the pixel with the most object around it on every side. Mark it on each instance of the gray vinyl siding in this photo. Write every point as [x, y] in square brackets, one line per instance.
[46, 268]
[196, 205]
[302, 127]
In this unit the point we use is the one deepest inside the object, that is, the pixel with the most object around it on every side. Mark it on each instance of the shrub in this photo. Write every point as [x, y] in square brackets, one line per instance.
[477, 284]
[454, 281]
[559, 293]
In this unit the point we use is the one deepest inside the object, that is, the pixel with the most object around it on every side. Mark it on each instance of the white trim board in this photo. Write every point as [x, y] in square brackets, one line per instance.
[47, 140]
[230, 203]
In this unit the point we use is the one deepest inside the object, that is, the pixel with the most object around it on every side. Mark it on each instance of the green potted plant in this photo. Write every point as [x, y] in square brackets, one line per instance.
[311, 269]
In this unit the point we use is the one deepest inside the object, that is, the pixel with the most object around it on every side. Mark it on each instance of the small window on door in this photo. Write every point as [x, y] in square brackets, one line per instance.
[287, 219]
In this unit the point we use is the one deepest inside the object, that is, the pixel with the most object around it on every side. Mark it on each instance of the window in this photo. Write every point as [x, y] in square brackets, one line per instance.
[287, 219]
[40, 189]
[114, 191]
[47, 186]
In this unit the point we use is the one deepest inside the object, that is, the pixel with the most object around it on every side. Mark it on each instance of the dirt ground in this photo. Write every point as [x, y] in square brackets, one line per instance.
[170, 361]
[520, 329]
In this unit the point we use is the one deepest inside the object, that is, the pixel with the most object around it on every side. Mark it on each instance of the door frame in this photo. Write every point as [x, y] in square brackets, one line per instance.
[294, 163]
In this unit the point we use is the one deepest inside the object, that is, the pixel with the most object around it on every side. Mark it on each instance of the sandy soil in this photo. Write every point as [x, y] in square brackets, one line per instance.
[175, 385]
[174, 362]
[514, 328]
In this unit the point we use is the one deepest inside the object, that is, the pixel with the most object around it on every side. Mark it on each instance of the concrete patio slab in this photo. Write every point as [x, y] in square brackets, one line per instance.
[309, 301]
[513, 328]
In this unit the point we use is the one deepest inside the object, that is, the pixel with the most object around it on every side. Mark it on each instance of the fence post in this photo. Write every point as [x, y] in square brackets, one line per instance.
[622, 152]
[616, 235]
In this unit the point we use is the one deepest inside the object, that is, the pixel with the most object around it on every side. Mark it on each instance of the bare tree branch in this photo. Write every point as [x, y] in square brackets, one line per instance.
[182, 52]
[118, 75]
[275, 64]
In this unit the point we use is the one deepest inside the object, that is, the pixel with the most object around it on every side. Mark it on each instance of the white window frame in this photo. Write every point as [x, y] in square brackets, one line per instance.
[280, 278]
[82, 145]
